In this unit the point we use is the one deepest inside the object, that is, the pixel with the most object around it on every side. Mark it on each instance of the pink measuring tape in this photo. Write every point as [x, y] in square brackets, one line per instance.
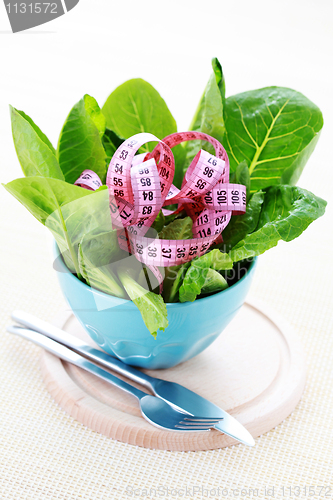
[141, 185]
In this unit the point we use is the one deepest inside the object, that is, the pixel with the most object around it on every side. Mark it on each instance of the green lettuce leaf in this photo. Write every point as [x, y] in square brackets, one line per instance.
[159, 222]
[91, 217]
[208, 117]
[214, 282]
[286, 212]
[134, 107]
[275, 130]
[95, 113]
[100, 245]
[179, 154]
[38, 131]
[242, 225]
[111, 143]
[179, 229]
[242, 176]
[80, 145]
[196, 275]
[174, 276]
[69, 212]
[151, 306]
[47, 199]
[96, 274]
[33, 149]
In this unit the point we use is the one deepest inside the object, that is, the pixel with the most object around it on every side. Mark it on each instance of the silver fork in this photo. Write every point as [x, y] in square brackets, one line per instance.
[153, 409]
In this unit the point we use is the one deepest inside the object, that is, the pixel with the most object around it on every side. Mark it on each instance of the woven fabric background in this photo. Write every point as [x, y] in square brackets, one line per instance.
[44, 453]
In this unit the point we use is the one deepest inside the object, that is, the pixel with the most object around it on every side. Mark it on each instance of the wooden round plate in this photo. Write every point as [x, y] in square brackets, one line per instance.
[255, 371]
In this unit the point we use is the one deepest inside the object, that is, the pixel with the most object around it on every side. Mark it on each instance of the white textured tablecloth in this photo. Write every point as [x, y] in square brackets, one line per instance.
[44, 453]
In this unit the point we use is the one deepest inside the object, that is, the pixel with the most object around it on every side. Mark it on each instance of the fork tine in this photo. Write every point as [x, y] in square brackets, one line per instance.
[204, 420]
[194, 423]
[194, 427]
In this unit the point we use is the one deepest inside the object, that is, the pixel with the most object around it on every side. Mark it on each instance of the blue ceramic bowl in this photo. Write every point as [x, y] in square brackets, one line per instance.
[117, 327]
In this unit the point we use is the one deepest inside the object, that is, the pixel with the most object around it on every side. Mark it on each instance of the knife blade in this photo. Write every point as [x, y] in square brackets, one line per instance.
[180, 397]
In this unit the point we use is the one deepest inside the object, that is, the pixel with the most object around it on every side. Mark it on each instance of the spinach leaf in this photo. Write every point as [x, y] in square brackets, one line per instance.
[179, 229]
[196, 275]
[111, 143]
[286, 212]
[275, 129]
[100, 244]
[176, 215]
[208, 117]
[34, 150]
[242, 176]
[159, 222]
[174, 276]
[214, 282]
[70, 212]
[135, 106]
[46, 199]
[91, 217]
[80, 146]
[242, 225]
[151, 306]
[95, 113]
[38, 131]
[179, 154]
[96, 274]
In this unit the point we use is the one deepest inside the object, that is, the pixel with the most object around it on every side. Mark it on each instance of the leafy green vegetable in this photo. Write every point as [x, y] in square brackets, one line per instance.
[97, 275]
[95, 113]
[152, 307]
[42, 196]
[241, 225]
[179, 154]
[80, 146]
[38, 131]
[100, 245]
[69, 212]
[208, 117]
[214, 282]
[134, 107]
[111, 143]
[159, 222]
[275, 129]
[90, 217]
[179, 229]
[34, 150]
[196, 275]
[242, 176]
[174, 276]
[46, 198]
[286, 212]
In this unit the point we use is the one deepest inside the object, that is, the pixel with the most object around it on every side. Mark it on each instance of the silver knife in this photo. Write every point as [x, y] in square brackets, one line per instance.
[175, 394]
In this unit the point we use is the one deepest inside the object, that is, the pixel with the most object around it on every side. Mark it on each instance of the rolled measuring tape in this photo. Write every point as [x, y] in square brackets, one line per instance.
[140, 185]
[89, 180]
